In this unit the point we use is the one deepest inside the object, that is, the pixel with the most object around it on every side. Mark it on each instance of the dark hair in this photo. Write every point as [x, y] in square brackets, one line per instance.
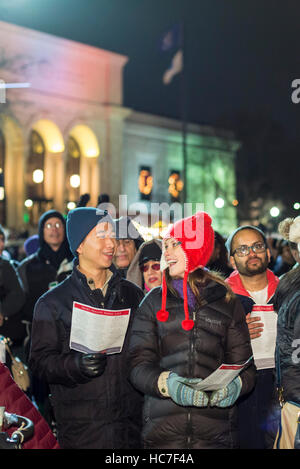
[198, 280]
[293, 246]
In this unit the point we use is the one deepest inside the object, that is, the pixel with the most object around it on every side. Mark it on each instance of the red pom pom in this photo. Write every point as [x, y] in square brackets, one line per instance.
[187, 324]
[162, 315]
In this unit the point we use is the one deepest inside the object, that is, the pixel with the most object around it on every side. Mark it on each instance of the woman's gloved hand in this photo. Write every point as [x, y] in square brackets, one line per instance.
[185, 395]
[92, 364]
[228, 395]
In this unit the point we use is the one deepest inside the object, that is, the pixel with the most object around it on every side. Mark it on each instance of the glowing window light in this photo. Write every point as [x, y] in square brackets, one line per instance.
[28, 203]
[75, 180]
[175, 184]
[145, 182]
[38, 176]
[2, 193]
[219, 202]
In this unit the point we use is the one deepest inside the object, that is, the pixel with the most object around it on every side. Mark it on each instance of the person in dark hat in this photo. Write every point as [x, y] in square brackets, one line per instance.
[255, 284]
[182, 333]
[38, 273]
[95, 405]
[144, 269]
[128, 242]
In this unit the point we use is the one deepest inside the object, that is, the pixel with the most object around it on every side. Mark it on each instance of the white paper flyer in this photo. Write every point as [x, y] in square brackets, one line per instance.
[264, 346]
[98, 330]
[220, 378]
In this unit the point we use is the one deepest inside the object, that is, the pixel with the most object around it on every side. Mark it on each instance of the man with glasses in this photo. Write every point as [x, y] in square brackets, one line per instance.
[255, 285]
[128, 242]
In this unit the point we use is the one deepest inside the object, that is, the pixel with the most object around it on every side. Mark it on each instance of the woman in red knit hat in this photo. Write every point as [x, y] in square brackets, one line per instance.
[183, 332]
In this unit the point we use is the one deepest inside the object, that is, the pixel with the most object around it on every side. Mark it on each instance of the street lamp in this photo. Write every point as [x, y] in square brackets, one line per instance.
[274, 212]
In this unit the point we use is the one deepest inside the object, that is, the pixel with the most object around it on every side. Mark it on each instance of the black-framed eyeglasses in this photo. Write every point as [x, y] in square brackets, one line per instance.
[244, 250]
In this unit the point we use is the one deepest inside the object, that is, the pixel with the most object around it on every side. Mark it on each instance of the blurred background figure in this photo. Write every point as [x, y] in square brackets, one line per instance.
[285, 260]
[128, 242]
[31, 245]
[287, 305]
[144, 269]
[219, 260]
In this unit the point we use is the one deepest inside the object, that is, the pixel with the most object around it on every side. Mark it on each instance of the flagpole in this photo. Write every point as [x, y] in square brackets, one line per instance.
[183, 112]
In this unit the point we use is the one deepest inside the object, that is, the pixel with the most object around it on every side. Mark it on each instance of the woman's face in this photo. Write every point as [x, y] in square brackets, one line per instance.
[152, 274]
[175, 257]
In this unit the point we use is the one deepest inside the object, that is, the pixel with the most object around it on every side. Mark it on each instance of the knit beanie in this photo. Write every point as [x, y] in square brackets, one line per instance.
[125, 229]
[81, 221]
[150, 252]
[196, 236]
[31, 244]
[244, 227]
[289, 228]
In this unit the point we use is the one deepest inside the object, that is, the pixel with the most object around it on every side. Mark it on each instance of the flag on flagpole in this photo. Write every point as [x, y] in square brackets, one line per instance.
[171, 40]
[176, 67]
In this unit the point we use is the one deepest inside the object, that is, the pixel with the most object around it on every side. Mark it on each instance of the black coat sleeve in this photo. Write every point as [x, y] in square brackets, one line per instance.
[238, 346]
[144, 358]
[47, 359]
[13, 297]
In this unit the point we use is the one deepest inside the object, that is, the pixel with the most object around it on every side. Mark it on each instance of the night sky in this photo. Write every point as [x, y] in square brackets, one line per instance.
[240, 54]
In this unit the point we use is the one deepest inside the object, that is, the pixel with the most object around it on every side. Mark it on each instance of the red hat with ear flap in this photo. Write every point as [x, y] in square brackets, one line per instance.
[196, 237]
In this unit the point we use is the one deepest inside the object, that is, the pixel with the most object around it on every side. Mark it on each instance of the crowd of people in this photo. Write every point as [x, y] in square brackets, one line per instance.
[197, 301]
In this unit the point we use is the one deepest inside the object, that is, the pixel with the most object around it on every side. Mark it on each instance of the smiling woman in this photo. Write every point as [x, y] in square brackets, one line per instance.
[182, 333]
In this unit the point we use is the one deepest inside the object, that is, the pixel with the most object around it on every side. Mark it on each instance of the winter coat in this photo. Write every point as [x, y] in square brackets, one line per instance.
[38, 275]
[16, 402]
[287, 346]
[220, 335]
[103, 412]
[235, 283]
[257, 412]
[12, 298]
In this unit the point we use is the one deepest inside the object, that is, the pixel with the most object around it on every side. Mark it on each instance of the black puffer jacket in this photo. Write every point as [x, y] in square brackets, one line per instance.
[287, 347]
[12, 298]
[220, 335]
[104, 412]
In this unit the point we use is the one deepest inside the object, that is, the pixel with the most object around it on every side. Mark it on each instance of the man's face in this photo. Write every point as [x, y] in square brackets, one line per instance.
[98, 248]
[254, 263]
[54, 232]
[125, 253]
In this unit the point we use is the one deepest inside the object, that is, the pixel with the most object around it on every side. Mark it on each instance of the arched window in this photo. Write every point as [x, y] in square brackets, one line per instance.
[73, 170]
[35, 178]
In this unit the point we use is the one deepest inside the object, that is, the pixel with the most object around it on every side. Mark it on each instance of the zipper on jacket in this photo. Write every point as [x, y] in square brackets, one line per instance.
[189, 430]
[192, 348]
[191, 373]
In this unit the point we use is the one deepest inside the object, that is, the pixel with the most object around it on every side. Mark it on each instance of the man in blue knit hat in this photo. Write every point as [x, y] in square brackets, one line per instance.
[94, 404]
[254, 284]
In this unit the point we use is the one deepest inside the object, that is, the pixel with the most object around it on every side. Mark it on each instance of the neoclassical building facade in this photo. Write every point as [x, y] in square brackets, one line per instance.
[64, 132]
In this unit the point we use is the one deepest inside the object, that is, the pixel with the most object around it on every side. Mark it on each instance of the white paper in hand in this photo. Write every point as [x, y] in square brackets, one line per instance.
[220, 378]
[264, 346]
[98, 330]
